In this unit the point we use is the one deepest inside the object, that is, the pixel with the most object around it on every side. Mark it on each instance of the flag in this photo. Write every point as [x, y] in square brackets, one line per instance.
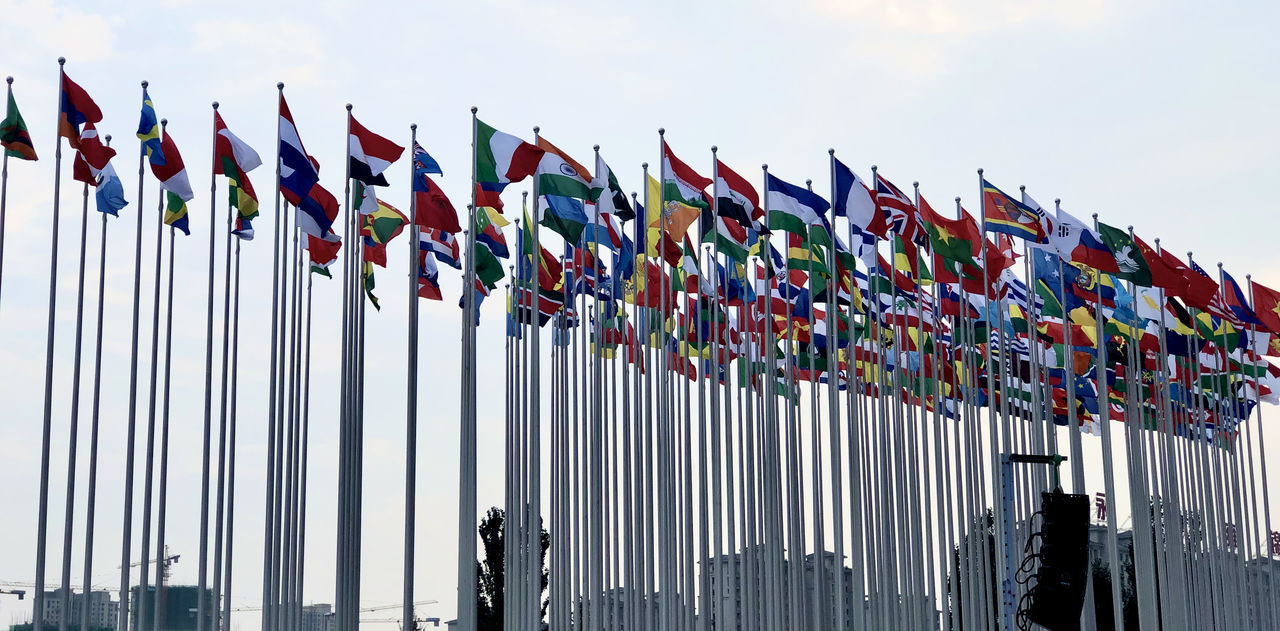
[736, 199]
[731, 237]
[75, 110]
[428, 276]
[1237, 302]
[1077, 242]
[608, 194]
[423, 162]
[322, 253]
[434, 210]
[234, 159]
[1004, 214]
[792, 208]
[93, 166]
[899, 212]
[563, 186]
[149, 130]
[177, 187]
[369, 154]
[442, 244]
[1130, 264]
[489, 224]
[500, 160]
[300, 181]
[369, 285]
[667, 222]
[13, 133]
[854, 201]
[682, 184]
[956, 240]
[381, 223]
[243, 229]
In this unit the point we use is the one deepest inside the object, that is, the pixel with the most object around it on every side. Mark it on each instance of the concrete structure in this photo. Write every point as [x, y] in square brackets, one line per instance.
[177, 608]
[318, 617]
[103, 611]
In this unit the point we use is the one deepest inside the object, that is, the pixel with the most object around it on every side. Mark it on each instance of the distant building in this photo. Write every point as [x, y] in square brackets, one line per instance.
[103, 611]
[318, 617]
[178, 606]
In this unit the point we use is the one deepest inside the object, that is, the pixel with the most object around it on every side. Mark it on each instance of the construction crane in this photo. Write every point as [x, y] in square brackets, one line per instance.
[168, 561]
[20, 593]
[362, 609]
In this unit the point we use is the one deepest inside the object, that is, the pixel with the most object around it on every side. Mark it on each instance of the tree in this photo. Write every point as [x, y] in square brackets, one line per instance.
[491, 572]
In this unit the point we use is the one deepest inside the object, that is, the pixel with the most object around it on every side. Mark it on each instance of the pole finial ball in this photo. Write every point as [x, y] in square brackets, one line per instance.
[474, 109]
[164, 122]
[62, 61]
[8, 80]
[831, 151]
[957, 199]
[644, 165]
[413, 127]
[348, 107]
[595, 148]
[215, 105]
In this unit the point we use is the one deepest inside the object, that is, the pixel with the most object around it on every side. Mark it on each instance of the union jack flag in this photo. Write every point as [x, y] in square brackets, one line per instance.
[900, 213]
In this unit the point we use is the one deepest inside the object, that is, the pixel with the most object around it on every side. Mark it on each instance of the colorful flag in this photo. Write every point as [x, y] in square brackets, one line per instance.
[369, 154]
[442, 244]
[428, 276]
[93, 166]
[367, 275]
[956, 240]
[381, 223]
[300, 182]
[900, 214]
[322, 253]
[149, 130]
[1237, 302]
[234, 159]
[731, 237]
[736, 199]
[177, 187]
[1077, 242]
[666, 224]
[563, 185]
[423, 162]
[500, 160]
[1130, 263]
[607, 193]
[75, 110]
[433, 208]
[13, 133]
[682, 184]
[489, 224]
[792, 208]
[855, 201]
[1007, 215]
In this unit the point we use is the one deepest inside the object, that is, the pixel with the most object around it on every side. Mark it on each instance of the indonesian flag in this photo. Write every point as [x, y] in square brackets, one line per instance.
[173, 174]
[370, 154]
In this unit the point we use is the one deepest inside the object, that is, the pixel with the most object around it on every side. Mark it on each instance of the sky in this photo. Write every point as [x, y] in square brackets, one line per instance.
[1156, 115]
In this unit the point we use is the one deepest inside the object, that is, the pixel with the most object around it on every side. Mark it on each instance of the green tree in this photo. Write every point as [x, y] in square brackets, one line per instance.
[491, 572]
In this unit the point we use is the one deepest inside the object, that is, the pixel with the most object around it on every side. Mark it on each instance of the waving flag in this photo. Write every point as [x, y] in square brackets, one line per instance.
[149, 130]
[13, 133]
[900, 213]
[1237, 302]
[369, 154]
[300, 182]
[500, 160]
[736, 199]
[608, 194]
[433, 206]
[1075, 241]
[321, 253]
[75, 110]
[234, 159]
[428, 276]
[792, 208]
[855, 201]
[682, 184]
[93, 166]
[442, 244]
[173, 180]
[1007, 215]
[1129, 260]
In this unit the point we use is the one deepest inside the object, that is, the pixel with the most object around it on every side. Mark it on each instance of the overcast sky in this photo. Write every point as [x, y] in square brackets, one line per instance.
[1159, 115]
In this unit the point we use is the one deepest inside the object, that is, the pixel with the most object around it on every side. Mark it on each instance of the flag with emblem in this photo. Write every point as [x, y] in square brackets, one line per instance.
[175, 183]
[13, 133]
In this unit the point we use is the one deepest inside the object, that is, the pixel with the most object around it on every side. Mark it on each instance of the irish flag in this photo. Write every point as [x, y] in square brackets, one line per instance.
[500, 160]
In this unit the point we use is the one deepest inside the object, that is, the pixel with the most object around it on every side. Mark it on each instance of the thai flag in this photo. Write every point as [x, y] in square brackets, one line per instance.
[300, 182]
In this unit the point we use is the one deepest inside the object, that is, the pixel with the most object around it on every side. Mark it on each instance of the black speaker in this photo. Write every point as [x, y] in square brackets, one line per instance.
[1058, 595]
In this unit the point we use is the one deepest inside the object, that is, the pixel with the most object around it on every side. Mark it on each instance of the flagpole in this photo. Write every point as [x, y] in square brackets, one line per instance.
[1266, 494]
[42, 525]
[93, 431]
[144, 549]
[268, 549]
[231, 437]
[717, 553]
[157, 601]
[4, 190]
[467, 430]
[222, 426]
[533, 566]
[74, 427]
[305, 439]
[126, 538]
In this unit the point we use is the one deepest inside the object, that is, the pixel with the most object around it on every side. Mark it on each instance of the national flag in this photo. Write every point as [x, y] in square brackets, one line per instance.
[93, 166]
[434, 210]
[173, 180]
[667, 223]
[369, 154]
[500, 160]
[13, 133]
[731, 237]
[900, 214]
[243, 229]
[1079, 243]
[608, 195]
[75, 110]
[1130, 263]
[680, 183]
[792, 208]
[234, 159]
[563, 186]
[1236, 301]
[442, 244]
[736, 199]
[428, 276]
[489, 224]
[1004, 214]
[1208, 297]
[423, 162]
[149, 130]
[300, 181]
[855, 201]
[322, 253]
[381, 223]
[368, 282]
[956, 240]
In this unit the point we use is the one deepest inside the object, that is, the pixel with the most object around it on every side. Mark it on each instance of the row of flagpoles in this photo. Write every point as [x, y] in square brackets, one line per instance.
[658, 519]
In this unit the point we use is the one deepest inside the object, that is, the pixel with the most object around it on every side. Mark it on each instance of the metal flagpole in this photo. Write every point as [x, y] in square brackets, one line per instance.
[126, 538]
[533, 566]
[1266, 494]
[202, 607]
[158, 600]
[144, 549]
[305, 440]
[716, 556]
[833, 415]
[42, 520]
[411, 400]
[231, 440]
[219, 531]
[93, 431]
[268, 549]
[4, 192]
[467, 430]
[74, 431]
